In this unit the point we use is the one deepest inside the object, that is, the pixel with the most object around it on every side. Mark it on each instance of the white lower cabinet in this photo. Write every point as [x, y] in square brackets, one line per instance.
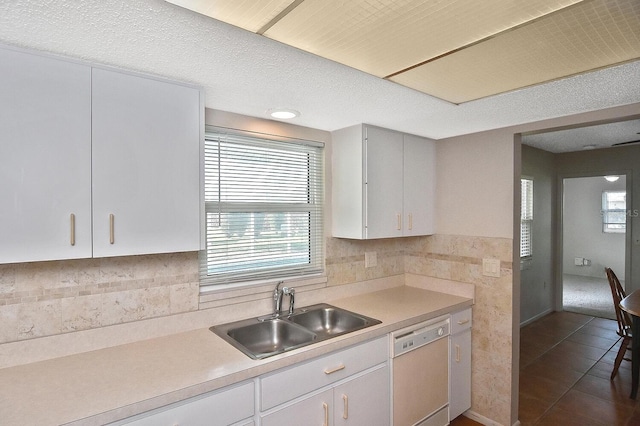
[349, 387]
[363, 400]
[233, 405]
[460, 363]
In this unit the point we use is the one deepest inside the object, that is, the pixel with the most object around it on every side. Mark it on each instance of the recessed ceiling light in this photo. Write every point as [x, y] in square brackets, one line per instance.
[612, 178]
[283, 114]
[588, 147]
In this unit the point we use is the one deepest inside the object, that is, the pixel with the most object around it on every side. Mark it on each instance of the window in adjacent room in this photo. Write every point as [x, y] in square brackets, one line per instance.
[264, 208]
[526, 217]
[614, 211]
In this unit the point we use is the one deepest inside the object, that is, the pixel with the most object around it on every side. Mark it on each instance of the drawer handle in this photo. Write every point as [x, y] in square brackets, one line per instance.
[326, 414]
[464, 321]
[345, 400]
[333, 370]
[111, 231]
[72, 224]
[457, 353]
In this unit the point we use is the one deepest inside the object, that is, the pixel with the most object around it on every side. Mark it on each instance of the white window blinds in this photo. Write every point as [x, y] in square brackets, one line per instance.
[526, 217]
[614, 211]
[264, 209]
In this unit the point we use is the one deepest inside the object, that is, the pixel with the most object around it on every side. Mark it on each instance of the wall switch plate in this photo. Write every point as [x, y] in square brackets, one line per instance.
[370, 259]
[491, 267]
[578, 261]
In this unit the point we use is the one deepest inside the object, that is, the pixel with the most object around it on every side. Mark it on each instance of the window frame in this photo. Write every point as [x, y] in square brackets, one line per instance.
[314, 206]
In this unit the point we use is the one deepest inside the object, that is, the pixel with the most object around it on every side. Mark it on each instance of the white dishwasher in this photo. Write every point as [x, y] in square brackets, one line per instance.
[420, 360]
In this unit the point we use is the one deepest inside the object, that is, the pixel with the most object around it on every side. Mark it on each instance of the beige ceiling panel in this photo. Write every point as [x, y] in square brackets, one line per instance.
[251, 15]
[386, 36]
[593, 35]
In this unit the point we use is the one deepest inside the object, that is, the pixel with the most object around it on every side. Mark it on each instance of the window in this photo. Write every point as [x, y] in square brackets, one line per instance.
[264, 209]
[526, 217]
[614, 211]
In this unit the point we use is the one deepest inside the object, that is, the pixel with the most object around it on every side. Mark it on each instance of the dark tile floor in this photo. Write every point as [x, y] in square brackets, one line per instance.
[565, 363]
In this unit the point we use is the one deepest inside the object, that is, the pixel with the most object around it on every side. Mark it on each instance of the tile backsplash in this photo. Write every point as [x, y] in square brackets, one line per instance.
[48, 298]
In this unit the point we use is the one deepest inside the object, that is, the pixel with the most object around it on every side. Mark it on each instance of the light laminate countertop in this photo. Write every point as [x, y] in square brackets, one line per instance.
[98, 387]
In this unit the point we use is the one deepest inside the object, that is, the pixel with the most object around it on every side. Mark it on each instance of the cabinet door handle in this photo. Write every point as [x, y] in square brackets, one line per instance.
[457, 353]
[410, 221]
[345, 413]
[326, 414]
[333, 370]
[72, 224]
[464, 321]
[111, 231]
[399, 217]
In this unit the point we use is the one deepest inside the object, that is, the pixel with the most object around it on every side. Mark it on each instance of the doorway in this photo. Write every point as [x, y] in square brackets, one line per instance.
[593, 237]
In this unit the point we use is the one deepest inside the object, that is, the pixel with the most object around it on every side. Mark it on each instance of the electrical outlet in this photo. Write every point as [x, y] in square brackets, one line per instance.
[370, 259]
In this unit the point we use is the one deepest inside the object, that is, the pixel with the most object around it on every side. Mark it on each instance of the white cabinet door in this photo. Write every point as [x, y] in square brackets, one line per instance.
[317, 409]
[460, 378]
[45, 158]
[419, 186]
[384, 183]
[146, 165]
[364, 400]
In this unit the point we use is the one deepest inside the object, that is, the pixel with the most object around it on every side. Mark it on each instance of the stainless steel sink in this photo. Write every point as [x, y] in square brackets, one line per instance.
[271, 337]
[329, 321]
[267, 336]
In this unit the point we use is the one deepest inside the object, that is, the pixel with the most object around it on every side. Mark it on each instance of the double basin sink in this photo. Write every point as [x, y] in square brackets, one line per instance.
[267, 336]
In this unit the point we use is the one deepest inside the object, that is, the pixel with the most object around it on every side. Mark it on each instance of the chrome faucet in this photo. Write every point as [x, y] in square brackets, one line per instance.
[277, 299]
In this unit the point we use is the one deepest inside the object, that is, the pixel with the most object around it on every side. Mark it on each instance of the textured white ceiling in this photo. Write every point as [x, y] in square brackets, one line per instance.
[587, 137]
[246, 73]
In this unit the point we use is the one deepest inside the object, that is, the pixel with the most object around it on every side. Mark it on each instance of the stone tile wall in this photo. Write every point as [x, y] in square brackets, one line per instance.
[48, 298]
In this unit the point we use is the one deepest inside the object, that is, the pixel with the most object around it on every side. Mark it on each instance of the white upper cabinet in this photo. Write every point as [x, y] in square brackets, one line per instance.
[146, 165]
[419, 185]
[383, 183]
[95, 162]
[45, 158]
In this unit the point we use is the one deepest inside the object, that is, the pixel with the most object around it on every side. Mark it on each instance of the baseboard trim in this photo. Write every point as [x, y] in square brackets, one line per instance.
[484, 420]
[537, 317]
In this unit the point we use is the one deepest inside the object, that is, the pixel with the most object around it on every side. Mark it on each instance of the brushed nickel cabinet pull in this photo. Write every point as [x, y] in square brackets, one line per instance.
[464, 321]
[72, 224]
[457, 353]
[111, 231]
[345, 413]
[410, 221]
[326, 414]
[333, 370]
[399, 216]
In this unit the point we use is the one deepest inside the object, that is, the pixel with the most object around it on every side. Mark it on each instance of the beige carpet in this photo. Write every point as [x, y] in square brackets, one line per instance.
[588, 296]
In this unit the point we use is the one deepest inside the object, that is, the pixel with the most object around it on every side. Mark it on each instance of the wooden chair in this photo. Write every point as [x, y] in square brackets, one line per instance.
[623, 319]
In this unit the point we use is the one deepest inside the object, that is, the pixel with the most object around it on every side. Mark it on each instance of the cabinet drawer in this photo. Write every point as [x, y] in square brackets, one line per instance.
[290, 383]
[461, 321]
[218, 408]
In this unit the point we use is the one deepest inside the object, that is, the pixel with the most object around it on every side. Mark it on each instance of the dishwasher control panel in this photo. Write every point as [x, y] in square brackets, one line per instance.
[419, 335]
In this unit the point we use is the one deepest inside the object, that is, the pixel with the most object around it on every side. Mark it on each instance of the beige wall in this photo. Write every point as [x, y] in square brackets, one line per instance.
[475, 185]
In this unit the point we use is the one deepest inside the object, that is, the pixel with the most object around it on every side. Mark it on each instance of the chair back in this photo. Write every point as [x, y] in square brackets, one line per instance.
[618, 293]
